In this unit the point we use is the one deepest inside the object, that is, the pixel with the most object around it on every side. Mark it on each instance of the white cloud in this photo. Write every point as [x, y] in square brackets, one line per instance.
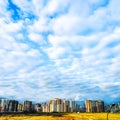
[59, 6]
[69, 24]
[41, 25]
[36, 37]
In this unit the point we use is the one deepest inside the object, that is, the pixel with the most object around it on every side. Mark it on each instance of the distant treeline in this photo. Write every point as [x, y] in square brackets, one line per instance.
[32, 113]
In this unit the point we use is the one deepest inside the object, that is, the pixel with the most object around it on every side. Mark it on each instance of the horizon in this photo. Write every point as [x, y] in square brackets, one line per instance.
[64, 49]
[79, 102]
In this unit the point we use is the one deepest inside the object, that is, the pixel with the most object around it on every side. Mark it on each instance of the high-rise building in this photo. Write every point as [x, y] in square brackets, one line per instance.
[59, 105]
[100, 106]
[56, 105]
[33, 108]
[27, 106]
[118, 105]
[12, 106]
[4, 104]
[62, 105]
[72, 106]
[64, 108]
[88, 105]
[38, 107]
[53, 105]
[46, 107]
[20, 107]
[94, 106]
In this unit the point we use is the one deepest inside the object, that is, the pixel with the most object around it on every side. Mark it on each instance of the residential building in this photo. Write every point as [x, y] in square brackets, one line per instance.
[56, 105]
[72, 106]
[4, 104]
[20, 107]
[27, 106]
[100, 106]
[88, 105]
[46, 107]
[12, 106]
[38, 107]
[94, 106]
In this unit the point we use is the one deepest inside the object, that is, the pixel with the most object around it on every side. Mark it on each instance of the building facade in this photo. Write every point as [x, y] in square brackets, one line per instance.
[20, 107]
[94, 106]
[100, 106]
[4, 105]
[12, 106]
[27, 106]
[59, 105]
[38, 107]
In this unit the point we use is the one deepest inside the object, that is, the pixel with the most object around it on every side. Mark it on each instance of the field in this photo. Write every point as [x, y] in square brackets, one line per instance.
[74, 116]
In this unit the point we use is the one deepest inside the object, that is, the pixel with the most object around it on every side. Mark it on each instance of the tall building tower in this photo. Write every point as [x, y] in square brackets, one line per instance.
[20, 107]
[12, 106]
[53, 105]
[64, 109]
[66, 105]
[38, 107]
[4, 104]
[88, 105]
[27, 106]
[100, 106]
[72, 106]
[46, 107]
[56, 105]
[59, 105]
[118, 105]
[94, 106]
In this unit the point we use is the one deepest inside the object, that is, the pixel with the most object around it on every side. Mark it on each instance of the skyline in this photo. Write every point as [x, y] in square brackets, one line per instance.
[60, 49]
[81, 103]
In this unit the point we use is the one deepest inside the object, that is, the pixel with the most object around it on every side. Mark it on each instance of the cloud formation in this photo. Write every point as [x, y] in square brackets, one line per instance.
[61, 49]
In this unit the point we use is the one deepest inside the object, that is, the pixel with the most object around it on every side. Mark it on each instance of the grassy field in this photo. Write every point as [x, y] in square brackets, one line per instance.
[74, 116]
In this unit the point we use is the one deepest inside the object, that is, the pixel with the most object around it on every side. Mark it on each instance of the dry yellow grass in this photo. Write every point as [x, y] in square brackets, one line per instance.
[74, 116]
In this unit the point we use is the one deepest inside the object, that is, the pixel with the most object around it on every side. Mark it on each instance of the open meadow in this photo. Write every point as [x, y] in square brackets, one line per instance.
[74, 116]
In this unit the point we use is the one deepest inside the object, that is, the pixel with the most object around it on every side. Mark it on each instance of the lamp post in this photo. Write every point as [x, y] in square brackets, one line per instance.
[110, 110]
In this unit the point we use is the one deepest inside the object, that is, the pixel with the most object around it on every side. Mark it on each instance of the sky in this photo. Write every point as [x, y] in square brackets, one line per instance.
[60, 49]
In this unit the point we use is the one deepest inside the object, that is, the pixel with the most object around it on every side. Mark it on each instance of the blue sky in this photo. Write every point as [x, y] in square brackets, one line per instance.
[60, 48]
